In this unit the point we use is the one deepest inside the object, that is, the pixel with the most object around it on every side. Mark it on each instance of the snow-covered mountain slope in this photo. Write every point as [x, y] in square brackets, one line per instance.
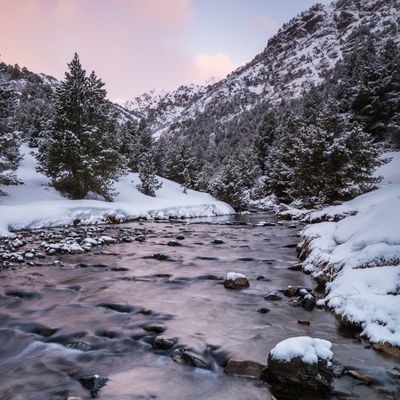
[299, 55]
[35, 204]
[160, 107]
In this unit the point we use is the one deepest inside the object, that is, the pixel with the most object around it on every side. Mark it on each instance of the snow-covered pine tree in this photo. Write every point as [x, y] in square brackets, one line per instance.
[281, 160]
[390, 88]
[149, 183]
[322, 157]
[9, 140]
[80, 151]
[142, 143]
[265, 137]
[126, 144]
[234, 180]
[180, 165]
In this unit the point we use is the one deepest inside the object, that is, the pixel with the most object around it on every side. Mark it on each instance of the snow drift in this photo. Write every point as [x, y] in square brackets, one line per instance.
[36, 205]
[360, 256]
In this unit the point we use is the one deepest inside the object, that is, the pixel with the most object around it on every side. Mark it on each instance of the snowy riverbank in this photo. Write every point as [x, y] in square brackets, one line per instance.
[36, 205]
[360, 255]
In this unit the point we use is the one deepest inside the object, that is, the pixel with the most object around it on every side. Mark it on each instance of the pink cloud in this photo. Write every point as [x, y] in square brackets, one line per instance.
[215, 66]
[133, 45]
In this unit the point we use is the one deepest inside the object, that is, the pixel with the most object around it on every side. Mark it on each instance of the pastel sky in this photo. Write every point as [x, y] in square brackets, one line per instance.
[137, 45]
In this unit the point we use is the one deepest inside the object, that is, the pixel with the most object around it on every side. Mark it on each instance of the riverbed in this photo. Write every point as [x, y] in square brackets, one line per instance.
[99, 312]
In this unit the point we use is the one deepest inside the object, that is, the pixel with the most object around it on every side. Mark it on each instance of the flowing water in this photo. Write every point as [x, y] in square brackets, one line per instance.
[86, 317]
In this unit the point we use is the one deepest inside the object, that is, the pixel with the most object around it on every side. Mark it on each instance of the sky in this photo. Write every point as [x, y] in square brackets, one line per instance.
[138, 45]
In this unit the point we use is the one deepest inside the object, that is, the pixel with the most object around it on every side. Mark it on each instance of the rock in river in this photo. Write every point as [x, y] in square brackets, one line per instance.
[300, 367]
[244, 368]
[93, 383]
[235, 280]
[272, 297]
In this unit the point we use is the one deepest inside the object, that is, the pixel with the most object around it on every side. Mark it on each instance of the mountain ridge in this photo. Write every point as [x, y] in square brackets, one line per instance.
[300, 55]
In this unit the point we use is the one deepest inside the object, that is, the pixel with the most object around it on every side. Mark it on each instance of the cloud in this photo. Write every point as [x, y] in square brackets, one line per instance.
[133, 45]
[213, 66]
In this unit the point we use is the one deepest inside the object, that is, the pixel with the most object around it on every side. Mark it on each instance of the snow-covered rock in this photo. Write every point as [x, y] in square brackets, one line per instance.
[300, 367]
[35, 204]
[235, 280]
[308, 349]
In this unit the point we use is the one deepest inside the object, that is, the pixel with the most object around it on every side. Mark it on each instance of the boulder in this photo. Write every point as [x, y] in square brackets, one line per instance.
[308, 302]
[244, 368]
[272, 297]
[300, 367]
[174, 243]
[163, 343]
[235, 280]
[291, 291]
[93, 383]
[154, 328]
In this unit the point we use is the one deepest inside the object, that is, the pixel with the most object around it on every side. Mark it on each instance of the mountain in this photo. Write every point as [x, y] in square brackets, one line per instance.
[300, 55]
[159, 106]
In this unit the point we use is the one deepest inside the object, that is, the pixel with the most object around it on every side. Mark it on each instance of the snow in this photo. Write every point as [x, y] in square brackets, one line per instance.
[232, 276]
[36, 205]
[361, 255]
[307, 348]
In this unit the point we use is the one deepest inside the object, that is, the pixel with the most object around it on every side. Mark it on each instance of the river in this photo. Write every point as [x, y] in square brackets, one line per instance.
[59, 322]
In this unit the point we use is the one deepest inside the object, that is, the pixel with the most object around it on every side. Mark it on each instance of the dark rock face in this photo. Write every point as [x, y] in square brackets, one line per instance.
[93, 383]
[244, 368]
[297, 379]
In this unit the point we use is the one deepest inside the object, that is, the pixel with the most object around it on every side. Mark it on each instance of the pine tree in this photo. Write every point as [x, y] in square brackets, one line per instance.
[80, 150]
[324, 160]
[180, 165]
[265, 137]
[228, 186]
[149, 183]
[234, 180]
[142, 143]
[9, 140]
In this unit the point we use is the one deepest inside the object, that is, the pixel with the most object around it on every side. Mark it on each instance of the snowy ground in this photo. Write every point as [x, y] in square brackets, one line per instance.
[35, 205]
[361, 256]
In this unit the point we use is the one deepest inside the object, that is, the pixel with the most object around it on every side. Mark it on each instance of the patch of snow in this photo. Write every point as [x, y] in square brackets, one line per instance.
[232, 276]
[307, 348]
[36, 205]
